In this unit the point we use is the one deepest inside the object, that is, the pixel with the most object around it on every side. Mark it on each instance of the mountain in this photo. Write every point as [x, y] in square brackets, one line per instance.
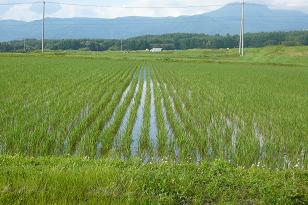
[259, 18]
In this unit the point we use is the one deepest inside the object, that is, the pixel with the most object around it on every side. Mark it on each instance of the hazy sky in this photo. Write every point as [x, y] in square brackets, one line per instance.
[33, 11]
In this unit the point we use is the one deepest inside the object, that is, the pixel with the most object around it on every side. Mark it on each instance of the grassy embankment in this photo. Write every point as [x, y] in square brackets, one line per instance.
[73, 180]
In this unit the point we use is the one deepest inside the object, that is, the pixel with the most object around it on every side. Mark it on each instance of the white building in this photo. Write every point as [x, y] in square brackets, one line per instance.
[155, 50]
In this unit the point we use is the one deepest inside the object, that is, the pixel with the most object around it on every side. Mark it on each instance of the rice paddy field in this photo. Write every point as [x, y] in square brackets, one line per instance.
[177, 127]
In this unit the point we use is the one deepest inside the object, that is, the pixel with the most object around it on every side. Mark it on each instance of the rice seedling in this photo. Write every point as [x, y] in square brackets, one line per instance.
[180, 110]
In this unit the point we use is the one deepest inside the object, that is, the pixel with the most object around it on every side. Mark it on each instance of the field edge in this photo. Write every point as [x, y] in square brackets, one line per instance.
[63, 180]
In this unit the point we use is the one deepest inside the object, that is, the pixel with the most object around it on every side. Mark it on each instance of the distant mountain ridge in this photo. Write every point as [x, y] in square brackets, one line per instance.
[259, 18]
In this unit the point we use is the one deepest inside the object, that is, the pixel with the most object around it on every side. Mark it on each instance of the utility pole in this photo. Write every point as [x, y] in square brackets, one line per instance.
[24, 45]
[241, 44]
[121, 45]
[43, 26]
[243, 25]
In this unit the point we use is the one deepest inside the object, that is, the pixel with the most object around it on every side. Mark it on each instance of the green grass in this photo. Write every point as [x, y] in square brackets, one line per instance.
[245, 119]
[84, 181]
[273, 55]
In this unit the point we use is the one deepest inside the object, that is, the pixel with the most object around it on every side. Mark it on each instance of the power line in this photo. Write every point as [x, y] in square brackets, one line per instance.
[123, 6]
[76, 4]
[126, 22]
[138, 7]
[22, 3]
[114, 6]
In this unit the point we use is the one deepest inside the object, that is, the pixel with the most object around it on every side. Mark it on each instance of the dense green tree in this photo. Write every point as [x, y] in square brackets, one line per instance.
[177, 41]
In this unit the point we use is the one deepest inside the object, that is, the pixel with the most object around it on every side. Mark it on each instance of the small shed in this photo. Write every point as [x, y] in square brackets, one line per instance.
[156, 50]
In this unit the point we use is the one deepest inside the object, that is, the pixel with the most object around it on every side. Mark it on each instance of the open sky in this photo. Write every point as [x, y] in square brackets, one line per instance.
[28, 12]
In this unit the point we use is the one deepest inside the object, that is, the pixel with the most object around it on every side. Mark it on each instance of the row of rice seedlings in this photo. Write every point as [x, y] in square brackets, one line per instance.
[165, 150]
[24, 124]
[250, 149]
[173, 146]
[188, 122]
[43, 85]
[183, 138]
[229, 129]
[39, 99]
[223, 136]
[227, 137]
[61, 144]
[26, 134]
[220, 138]
[120, 103]
[110, 137]
[123, 139]
[89, 140]
[17, 97]
[76, 136]
[153, 129]
[274, 149]
[137, 128]
[145, 147]
[72, 115]
[242, 143]
[180, 107]
[105, 133]
[94, 95]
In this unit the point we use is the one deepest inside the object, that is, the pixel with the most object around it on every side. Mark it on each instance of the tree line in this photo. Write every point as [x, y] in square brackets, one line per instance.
[176, 41]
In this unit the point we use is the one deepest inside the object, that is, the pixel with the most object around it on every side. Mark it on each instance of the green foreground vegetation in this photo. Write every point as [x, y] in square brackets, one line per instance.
[190, 127]
[84, 181]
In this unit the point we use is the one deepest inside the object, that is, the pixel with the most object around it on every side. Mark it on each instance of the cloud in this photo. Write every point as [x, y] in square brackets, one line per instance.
[3, 9]
[301, 5]
[24, 11]
[50, 8]
[20, 12]
[120, 10]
